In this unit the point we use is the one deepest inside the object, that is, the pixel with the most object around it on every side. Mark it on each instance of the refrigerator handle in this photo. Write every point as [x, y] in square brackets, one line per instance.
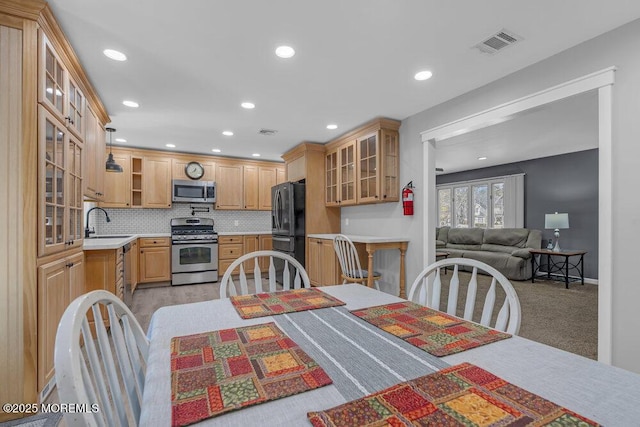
[280, 239]
[277, 209]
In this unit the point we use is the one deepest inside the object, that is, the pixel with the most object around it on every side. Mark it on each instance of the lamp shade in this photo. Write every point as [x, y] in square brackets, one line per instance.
[556, 220]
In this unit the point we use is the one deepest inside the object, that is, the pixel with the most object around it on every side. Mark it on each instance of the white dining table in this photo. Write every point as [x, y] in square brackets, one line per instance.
[603, 393]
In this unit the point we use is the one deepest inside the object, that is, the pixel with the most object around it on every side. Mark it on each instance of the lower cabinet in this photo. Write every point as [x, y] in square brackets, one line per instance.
[232, 247]
[322, 267]
[59, 283]
[154, 260]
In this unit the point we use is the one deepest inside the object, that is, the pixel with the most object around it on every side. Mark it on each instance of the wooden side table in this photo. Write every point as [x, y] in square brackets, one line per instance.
[562, 266]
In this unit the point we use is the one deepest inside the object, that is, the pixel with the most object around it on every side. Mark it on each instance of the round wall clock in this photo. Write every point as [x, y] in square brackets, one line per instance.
[194, 170]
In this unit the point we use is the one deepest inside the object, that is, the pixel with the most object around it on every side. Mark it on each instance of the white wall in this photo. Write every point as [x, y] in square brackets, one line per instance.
[617, 48]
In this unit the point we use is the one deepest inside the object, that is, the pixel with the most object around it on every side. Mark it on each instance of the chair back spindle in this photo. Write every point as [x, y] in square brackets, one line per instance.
[88, 371]
[428, 287]
[290, 267]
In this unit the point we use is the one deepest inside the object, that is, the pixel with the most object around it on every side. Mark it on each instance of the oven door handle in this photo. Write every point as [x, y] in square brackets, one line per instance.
[194, 242]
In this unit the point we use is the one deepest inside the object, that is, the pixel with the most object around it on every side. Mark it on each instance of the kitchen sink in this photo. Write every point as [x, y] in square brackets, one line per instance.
[109, 237]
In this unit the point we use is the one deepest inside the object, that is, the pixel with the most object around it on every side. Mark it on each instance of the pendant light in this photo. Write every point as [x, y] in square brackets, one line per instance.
[111, 164]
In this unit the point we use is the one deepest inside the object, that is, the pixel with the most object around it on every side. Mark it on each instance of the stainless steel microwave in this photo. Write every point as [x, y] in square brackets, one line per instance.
[193, 191]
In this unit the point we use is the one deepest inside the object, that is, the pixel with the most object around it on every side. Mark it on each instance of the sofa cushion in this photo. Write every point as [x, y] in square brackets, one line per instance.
[498, 248]
[466, 236]
[442, 234]
[506, 236]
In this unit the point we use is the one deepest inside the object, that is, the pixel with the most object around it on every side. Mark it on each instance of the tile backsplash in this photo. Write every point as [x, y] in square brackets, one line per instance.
[135, 221]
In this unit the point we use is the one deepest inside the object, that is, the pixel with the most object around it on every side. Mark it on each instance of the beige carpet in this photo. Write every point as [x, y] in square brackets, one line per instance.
[563, 318]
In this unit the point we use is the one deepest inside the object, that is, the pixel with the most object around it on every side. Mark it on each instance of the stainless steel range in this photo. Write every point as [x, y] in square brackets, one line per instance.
[194, 251]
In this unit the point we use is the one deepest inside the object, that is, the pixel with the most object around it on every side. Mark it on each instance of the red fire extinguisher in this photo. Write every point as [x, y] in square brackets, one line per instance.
[407, 199]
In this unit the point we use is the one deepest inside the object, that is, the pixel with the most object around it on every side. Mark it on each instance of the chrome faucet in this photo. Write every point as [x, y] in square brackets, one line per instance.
[88, 231]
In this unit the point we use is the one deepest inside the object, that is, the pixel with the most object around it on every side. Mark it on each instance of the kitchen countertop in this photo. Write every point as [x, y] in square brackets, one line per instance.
[93, 244]
[241, 233]
[362, 239]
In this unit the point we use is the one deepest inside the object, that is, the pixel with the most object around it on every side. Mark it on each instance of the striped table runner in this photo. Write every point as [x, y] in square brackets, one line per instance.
[359, 357]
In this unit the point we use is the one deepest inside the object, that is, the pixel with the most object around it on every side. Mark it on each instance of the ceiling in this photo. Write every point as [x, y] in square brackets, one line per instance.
[529, 135]
[191, 64]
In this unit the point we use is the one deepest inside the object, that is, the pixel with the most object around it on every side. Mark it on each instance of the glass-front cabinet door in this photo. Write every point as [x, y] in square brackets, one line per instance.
[331, 178]
[60, 205]
[53, 78]
[347, 175]
[368, 168]
[390, 165]
[76, 109]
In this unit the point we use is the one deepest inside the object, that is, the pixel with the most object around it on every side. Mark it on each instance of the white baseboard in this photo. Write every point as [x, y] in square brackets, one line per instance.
[560, 278]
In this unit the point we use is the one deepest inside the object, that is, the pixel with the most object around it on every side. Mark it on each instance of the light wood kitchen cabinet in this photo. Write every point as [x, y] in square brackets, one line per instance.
[156, 182]
[363, 166]
[229, 249]
[281, 175]
[94, 142]
[104, 271]
[322, 265]
[154, 262]
[340, 175]
[257, 242]
[117, 186]
[180, 164]
[232, 247]
[250, 185]
[267, 178]
[244, 186]
[60, 188]
[131, 270]
[59, 283]
[230, 186]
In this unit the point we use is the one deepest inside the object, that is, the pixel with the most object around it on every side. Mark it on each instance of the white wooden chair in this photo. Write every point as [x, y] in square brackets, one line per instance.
[86, 370]
[347, 254]
[427, 288]
[292, 268]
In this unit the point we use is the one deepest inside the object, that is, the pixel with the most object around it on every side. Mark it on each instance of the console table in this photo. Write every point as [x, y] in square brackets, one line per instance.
[563, 266]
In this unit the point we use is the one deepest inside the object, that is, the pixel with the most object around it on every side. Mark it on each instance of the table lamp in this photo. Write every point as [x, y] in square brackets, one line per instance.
[556, 221]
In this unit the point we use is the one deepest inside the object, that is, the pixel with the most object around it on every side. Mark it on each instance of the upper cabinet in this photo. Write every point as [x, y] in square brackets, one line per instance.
[117, 186]
[156, 182]
[363, 166]
[58, 92]
[60, 205]
[94, 142]
[246, 186]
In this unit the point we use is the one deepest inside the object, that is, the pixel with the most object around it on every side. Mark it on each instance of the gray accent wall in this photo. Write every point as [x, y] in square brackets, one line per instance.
[566, 183]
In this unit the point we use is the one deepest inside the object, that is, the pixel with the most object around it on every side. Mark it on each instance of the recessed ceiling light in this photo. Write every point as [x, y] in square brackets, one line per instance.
[131, 104]
[256, 155]
[227, 133]
[248, 105]
[216, 150]
[332, 127]
[115, 55]
[482, 158]
[171, 145]
[423, 75]
[121, 140]
[285, 51]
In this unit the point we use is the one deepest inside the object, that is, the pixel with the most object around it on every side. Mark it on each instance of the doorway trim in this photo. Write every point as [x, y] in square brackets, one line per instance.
[602, 81]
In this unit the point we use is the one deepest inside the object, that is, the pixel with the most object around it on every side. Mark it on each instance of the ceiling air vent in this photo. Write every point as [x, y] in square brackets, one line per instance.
[498, 41]
[267, 132]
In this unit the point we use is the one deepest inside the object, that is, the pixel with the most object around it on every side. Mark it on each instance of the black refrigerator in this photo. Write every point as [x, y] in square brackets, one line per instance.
[287, 222]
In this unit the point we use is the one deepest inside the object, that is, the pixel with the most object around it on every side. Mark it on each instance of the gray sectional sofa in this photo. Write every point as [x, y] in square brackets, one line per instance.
[505, 249]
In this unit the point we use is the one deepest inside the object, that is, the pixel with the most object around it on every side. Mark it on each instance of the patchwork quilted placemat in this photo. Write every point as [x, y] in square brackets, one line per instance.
[433, 331]
[270, 303]
[461, 395]
[221, 371]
